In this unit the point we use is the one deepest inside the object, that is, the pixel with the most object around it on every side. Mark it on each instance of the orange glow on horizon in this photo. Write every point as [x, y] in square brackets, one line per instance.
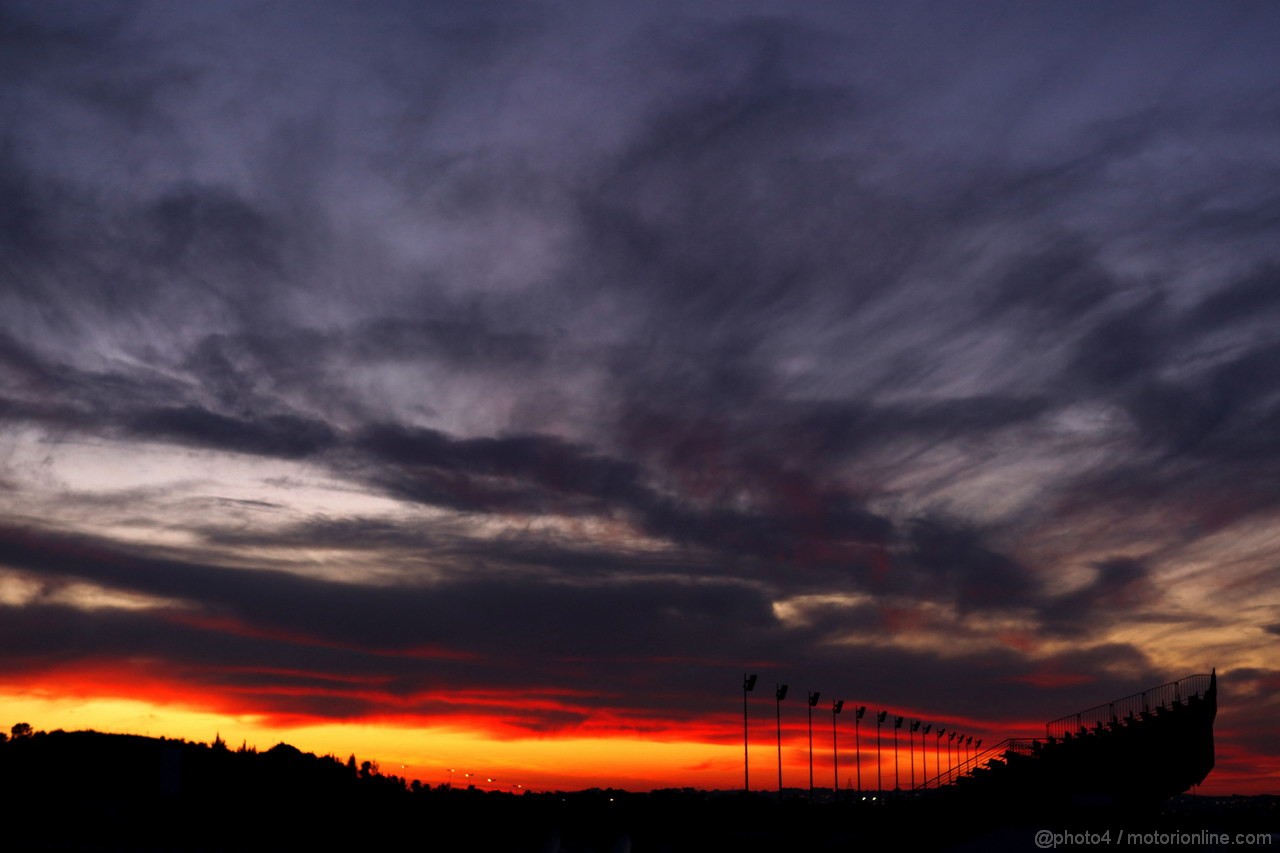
[609, 750]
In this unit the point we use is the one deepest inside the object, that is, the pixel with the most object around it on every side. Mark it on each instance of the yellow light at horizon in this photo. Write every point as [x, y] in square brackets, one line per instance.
[425, 753]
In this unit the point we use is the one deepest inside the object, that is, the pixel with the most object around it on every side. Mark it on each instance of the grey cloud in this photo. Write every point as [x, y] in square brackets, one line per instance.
[647, 644]
[1119, 585]
[553, 619]
[286, 436]
[1246, 299]
[1057, 283]
[957, 558]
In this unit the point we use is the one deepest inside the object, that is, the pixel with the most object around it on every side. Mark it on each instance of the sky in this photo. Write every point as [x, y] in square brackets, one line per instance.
[486, 387]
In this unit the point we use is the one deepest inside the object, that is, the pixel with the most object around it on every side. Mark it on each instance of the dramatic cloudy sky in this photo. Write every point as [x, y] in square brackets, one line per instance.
[488, 385]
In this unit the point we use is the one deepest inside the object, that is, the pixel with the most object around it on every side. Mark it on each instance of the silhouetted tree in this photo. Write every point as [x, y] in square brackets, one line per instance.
[21, 730]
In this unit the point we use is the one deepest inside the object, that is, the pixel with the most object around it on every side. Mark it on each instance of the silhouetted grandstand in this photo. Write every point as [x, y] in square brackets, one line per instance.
[1133, 752]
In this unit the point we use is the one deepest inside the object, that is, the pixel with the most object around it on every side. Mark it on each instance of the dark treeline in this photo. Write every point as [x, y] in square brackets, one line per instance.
[92, 791]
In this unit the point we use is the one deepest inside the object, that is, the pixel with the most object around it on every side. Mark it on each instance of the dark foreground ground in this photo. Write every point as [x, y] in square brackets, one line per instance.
[83, 791]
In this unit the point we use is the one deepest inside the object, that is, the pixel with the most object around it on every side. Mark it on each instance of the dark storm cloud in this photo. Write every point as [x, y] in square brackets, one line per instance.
[1203, 410]
[832, 431]
[1119, 585]
[554, 619]
[541, 462]
[451, 546]
[958, 560]
[195, 253]
[313, 681]
[23, 367]
[285, 436]
[1224, 416]
[371, 648]
[478, 634]
[1056, 283]
[458, 343]
[206, 228]
[69, 396]
[522, 474]
[793, 517]
[1251, 298]
[716, 221]
[91, 54]
[23, 230]
[129, 403]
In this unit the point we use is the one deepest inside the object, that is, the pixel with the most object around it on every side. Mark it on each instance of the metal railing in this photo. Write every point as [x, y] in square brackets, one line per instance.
[1120, 711]
[1123, 711]
[991, 758]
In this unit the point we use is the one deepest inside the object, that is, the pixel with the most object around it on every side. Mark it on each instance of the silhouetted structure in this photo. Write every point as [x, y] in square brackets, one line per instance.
[1117, 764]
[1133, 752]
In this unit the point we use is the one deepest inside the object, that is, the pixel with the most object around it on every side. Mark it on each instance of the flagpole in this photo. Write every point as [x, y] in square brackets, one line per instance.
[813, 700]
[836, 707]
[779, 693]
[748, 684]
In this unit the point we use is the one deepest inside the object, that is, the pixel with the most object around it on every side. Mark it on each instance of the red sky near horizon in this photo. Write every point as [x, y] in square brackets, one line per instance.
[489, 386]
[460, 748]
